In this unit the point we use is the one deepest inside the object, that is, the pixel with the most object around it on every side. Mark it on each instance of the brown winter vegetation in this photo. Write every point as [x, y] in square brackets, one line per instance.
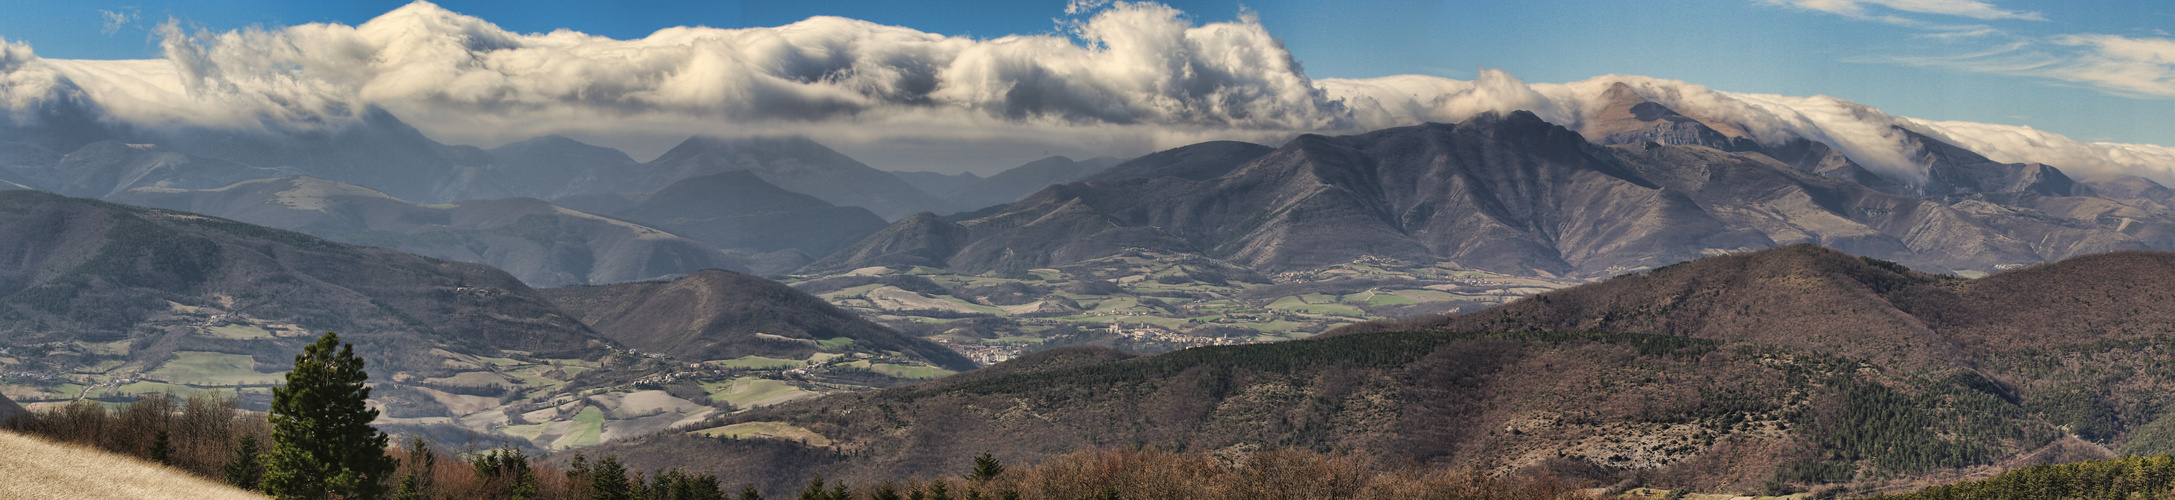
[1154, 474]
[199, 433]
[35, 468]
[162, 446]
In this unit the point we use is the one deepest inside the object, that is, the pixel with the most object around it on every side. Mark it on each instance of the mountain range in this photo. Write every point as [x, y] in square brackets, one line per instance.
[1642, 186]
[542, 244]
[1011, 184]
[60, 147]
[1636, 186]
[104, 300]
[161, 282]
[1972, 312]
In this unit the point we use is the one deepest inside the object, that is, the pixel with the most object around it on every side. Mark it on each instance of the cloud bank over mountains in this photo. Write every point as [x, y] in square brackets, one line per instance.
[1122, 77]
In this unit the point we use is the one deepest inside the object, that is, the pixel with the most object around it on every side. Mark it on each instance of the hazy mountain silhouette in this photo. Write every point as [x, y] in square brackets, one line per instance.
[1013, 183]
[797, 164]
[738, 210]
[1198, 162]
[542, 244]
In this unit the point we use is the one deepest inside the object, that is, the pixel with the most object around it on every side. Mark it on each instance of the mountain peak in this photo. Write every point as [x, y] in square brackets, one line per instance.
[1630, 118]
[1621, 94]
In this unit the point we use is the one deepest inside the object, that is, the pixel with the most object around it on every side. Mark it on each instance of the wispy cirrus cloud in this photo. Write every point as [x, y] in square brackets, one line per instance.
[2135, 67]
[1887, 9]
[2121, 65]
[2128, 66]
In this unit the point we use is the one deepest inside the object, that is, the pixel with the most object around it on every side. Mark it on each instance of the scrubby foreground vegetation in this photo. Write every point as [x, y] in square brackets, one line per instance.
[203, 442]
[38, 468]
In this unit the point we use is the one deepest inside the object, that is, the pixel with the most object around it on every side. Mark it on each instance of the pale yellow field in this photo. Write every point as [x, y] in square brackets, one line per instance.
[36, 468]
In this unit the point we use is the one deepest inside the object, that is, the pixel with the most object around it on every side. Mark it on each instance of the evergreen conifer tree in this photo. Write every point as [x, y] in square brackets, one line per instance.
[815, 490]
[245, 469]
[421, 459]
[322, 443]
[986, 467]
[162, 449]
[608, 480]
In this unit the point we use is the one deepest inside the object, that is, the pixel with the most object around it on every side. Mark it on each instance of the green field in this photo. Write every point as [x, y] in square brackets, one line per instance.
[769, 430]
[470, 379]
[1329, 309]
[211, 368]
[1426, 295]
[834, 343]
[500, 361]
[761, 363]
[529, 432]
[1372, 299]
[158, 387]
[238, 332]
[903, 371]
[588, 433]
[747, 392]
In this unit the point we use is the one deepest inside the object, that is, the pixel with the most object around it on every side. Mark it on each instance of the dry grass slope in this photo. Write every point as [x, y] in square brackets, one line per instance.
[37, 468]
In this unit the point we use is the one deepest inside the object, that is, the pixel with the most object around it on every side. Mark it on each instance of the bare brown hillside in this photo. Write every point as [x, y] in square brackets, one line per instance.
[717, 314]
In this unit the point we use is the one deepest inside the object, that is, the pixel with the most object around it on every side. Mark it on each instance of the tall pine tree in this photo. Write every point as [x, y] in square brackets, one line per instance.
[322, 443]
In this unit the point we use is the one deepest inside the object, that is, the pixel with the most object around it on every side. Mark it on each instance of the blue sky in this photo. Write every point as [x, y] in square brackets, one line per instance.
[1908, 61]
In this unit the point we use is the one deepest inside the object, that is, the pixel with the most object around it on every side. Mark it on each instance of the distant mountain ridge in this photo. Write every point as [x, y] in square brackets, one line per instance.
[795, 163]
[542, 244]
[1013, 183]
[738, 210]
[99, 272]
[67, 151]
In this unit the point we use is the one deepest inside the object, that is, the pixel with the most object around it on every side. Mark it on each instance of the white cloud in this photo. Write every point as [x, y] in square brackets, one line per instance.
[1130, 78]
[115, 20]
[466, 80]
[2139, 67]
[2123, 65]
[2021, 144]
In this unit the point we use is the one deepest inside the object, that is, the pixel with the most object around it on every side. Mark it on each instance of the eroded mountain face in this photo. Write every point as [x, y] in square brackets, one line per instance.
[1637, 187]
